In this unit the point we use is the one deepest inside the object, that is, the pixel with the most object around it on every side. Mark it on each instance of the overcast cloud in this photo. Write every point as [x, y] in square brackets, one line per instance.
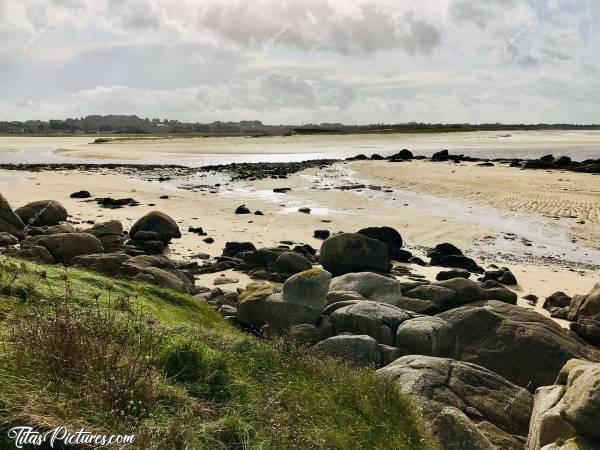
[294, 61]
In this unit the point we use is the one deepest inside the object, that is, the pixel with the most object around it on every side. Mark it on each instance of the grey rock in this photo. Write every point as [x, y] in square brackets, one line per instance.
[523, 346]
[9, 221]
[7, 239]
[105, 263]
[304, 334]
[429, 336]
[361, 350]
[65, 246]
[42, 212]
[251, 304]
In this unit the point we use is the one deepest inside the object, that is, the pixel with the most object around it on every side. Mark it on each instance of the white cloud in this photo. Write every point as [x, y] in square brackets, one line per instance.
[302, 60]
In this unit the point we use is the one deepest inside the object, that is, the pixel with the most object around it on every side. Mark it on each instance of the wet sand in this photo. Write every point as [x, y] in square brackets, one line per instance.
[410, 207]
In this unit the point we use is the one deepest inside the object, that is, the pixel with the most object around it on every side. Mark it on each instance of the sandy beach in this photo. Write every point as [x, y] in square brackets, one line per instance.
[543, 225]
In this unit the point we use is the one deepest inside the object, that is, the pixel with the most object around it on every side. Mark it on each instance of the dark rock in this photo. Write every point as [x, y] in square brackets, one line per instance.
[442, 155]
[258, 213]
[9, 221]
[321, 234]
[547, 158]
[116, 203]
[563, 161]
[390, 237]
[7, 239]
[42, 212]
[503, 276]
[557, 300]
[81, 194]
[196, 230]
[455, 273]
[282, 190]
[233, 248]
[242, 209]
[65, 246]
[347, 252]
[402, 255]
[104, 263]
[208, 240]
[304, 210]
[416, 260]
[525, 347]
[402, 155]
[292, 263]
[157, 222]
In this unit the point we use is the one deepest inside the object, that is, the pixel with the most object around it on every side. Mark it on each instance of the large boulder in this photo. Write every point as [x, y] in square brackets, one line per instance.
[378, 320]
[361, 350]
[523, 346]
[429, 336]
[251, 304]
[168, 279]
[42, 212]
[568, 410]
[390, 237]
[292, 262]
[9, 221]
[137, 264]
[105, 263]
[348, 252]
[499, 409]
[585, 311]
[157, 222]
[65, 246]
[301, 301]
[448, 294]
[375, 287]
[7, 239]
[110, 234]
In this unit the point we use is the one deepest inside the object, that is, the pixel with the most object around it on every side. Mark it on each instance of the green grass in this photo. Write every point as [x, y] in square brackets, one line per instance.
[219, 388]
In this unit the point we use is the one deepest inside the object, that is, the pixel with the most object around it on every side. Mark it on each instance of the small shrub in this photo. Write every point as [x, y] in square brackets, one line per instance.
[110, 356]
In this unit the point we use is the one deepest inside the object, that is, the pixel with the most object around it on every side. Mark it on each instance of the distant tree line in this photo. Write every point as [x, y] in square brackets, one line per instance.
[122, 124]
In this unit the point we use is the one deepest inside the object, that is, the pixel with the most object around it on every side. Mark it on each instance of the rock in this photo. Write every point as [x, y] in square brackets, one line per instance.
[429, 336]
[321, 234]
[347, 252]
[378, 320]
[547, 425]
[454, 273]
[437, 298]
[585, 311]
[157, 222]
[547, 158]
[557, 300]
[570, 412]
[374, 287]
[81, 194]
[501, 294]
[9, 221]
[467, 291]
[110, 235]
[65, 246]
[301, 301]
[523, 346]
[390, 237]
[251, 304]
[225, 280]
[343, 296]
[165, 279]
[208, 240]
[36, 253]
[104, 263]
[304, 334]
[228, 311]
[48, 230]
[559, 313]
[262, 257]
[402, 155]
[233, 248]
[457, 432]
[116, 203]
[448, 255]
[498, 408]
[503, 276]
[403, 256]
[42, 212]
[242, 209]
[258, 213]
[362, 350]
[442, 155]
[563, 161]
[149, 247]
[136, 264]
[291, 262]
[587, 329]
[304, 210]
[7, 239]
[416, 260]
[577, 443]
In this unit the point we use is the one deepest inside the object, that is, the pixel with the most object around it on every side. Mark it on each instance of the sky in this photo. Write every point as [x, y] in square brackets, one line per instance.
[302, 61]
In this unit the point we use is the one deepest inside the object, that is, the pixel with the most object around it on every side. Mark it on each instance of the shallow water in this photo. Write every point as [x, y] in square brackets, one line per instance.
[579, 145]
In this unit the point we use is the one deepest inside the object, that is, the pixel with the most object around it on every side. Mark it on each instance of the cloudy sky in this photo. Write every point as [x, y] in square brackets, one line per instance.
[294, 61]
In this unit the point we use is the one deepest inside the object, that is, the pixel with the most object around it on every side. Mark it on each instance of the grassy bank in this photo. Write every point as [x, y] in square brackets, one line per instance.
[117, 357]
